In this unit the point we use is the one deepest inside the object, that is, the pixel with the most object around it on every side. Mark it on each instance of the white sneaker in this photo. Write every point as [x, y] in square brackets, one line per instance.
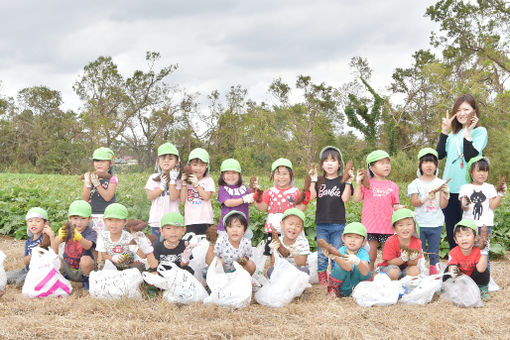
[493, 286]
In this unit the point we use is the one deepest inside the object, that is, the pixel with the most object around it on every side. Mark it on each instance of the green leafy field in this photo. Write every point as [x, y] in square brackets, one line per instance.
[19, 192]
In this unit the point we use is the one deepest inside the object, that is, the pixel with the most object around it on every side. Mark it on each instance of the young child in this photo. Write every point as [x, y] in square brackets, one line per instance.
[80, 241]
[292, 244]
[100, 192]
[232, 193]
[399, 259]
[351, 268]
[467, 258]
[38, 225]
[114, 244]
[379, 201]
[173, 248]
[231, 246]
[479, 199]
[165, 194]
[428, 202]
[198, 212]
[279, 198]
[331, 195]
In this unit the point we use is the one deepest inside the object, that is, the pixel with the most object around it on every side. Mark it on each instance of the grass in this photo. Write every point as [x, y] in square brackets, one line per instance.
[314, 315]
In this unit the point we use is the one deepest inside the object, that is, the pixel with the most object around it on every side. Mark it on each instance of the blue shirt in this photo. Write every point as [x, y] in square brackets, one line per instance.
[362, 254]
[31, 244]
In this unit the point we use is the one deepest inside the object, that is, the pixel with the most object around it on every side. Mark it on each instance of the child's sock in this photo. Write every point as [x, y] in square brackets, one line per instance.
[334, 286]
[323, 277]
[85, 283]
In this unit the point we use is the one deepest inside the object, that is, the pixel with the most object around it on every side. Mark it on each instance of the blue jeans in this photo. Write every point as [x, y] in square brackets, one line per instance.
[490, 233]
[331, 233]
[433, 236]
[157, 232]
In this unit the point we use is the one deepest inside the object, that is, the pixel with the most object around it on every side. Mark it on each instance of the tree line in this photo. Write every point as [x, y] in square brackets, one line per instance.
[133, 114]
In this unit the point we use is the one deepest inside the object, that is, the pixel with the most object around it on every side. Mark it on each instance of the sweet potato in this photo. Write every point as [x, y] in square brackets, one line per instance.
[501, 182]
[100, 174]
[347, 168]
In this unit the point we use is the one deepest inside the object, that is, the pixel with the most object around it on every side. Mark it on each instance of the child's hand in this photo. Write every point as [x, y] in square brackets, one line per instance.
[404, 256]
[86, 180]
[164, 182]
[184, 177]
[313, 174]
[63, 233]
[76, 235]
[274, 245]
[120, 258]
[194, 180]
[454, 271]
[243, 261]
[48, 231]
[143, 242]
[360, 175]
[94, 179]
[174, 173]
[414, 255]
[248, 198]
[350, 179]
[445, 189]
[352, 259]
[428, 197]
[186, 254]
[465, 201]
[503, 189]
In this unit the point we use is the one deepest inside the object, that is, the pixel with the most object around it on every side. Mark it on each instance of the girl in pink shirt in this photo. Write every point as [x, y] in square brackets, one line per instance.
[379, 201]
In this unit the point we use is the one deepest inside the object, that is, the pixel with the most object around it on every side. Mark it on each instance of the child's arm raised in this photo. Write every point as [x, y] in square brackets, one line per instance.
[481, 265]
[357, 196]
[501, 191]
[53, 240]
[152, 261]
[106, 194]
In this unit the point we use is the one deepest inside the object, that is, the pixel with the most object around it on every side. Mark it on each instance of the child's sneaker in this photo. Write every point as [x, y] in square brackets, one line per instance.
[323, 277]
[484, 293]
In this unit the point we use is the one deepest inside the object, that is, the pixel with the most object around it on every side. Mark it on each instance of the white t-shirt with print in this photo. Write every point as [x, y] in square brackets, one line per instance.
[301, 246]
[226, 251]
[161, 204]
[480, 196]
[196, 210]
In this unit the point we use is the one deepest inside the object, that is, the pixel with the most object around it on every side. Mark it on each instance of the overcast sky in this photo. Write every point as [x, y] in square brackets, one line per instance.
[216, 43]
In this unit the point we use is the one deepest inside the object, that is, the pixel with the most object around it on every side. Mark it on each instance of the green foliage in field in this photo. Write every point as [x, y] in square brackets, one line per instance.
[19, 192]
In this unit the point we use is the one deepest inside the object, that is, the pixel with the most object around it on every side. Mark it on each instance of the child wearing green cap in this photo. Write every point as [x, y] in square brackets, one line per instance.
[277, 199]
[115, 244]
[231, 246]
[38, 225]
[292, 244]
[172, 249]
[351, 268]
[99, 191]
[198, 212]
[468, 258]
[380, 199]
[80, 241]
[403, 249]
[164, 187]
[478, 198]
[429, 195]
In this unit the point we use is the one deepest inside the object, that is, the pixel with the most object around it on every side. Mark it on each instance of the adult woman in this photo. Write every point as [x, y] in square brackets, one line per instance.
[466, 140]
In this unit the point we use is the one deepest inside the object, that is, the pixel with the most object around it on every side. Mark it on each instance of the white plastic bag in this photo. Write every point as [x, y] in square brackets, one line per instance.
[3, 276]
[382, 291]
[462, 291]
[43, 278]
[182, 286]
[111, 283]
[286, 283]
[313, 265]
[258, 279]
[228, 289]
[420, 289]
[197, 263]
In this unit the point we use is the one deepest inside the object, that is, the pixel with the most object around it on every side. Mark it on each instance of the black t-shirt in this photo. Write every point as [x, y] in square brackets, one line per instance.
[330, 207]
[163, 254]
[97, 201]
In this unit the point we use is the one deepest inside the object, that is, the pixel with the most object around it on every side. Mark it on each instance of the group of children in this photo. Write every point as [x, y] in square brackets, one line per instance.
[97, 224]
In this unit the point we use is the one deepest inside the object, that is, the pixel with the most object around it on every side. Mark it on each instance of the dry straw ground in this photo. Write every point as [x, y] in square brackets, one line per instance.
[312, 316]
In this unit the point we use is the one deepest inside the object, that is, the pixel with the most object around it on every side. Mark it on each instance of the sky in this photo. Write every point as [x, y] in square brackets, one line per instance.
[216, 44]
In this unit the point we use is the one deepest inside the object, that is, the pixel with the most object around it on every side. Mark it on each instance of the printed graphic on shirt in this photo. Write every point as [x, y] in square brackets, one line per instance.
[193, 196]
[381, 192]
[477, 198]
[74, 251]
[334, 191]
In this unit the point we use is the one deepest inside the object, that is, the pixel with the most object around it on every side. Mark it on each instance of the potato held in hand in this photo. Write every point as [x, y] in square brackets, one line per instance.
[211, 234]
[282, 250]
[347, 168]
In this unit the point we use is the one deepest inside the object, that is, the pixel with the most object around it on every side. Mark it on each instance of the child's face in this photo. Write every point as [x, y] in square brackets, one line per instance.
[465, 238]
[79, 222]
[35, 225]
[353, 242]
[282, 177]
[479, 176]
[231, 177]
[331, 166]
[103, 166]
[381, 168]
[428, 168]
[235, 230]
[172, 233]
[404, 228]
[167, 162]
[292, 227]
[114, 225]
[464, 113]
[198, 168]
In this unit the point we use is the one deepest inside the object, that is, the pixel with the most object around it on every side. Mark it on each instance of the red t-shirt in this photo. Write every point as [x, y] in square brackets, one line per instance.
[392, 249]
[466, 263]
[278, 200]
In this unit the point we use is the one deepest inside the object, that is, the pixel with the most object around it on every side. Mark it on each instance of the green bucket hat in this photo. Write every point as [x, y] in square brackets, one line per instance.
[80, 208]
[172, 218]
[295, 212]
[467, 223]
[201, 154]
[470, 163]
[400, 214]
[116, 210]
[281, 162]
[230, 165]
[355, 228]
[427, 151]
[168, 149]
[233, 212]
[103, 154]
[37, 213]
[333, 148]
[376, 155]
